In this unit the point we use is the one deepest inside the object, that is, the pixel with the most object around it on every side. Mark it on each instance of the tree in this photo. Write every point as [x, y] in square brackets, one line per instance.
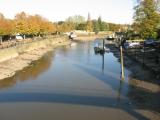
[99, 25]
[114, 27]
[146, 19]
[96, 28]
[21, 25]
[157, 3]
[89, 25]
[66, 27]
[6, 26]
[81, 26]
[104, 26]
[76, 19]
[34, 23]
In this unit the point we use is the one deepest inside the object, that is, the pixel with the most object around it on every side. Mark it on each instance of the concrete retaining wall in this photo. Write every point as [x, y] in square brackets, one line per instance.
[8, 53]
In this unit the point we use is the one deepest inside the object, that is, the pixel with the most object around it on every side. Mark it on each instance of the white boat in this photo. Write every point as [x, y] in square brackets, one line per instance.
[98, 47]
[106, 49]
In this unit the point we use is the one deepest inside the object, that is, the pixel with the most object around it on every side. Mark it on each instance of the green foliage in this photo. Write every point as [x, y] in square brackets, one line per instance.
[77, 19]
[66, 27]
[89, 25]
[81, 26]
[77, 22]
[99, 25]
[103, 26]
[114, 27]
[146, 19]
[96, 28]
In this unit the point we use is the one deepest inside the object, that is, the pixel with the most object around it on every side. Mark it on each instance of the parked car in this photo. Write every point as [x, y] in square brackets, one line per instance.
[19, 37]
[131, 45]
[149, 43]
[134, 44]
[72, 35]
[126, 45]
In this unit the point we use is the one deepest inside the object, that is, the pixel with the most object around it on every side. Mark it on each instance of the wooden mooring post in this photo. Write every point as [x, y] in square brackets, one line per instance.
[103, 44]
[122, 64]
[143, 56]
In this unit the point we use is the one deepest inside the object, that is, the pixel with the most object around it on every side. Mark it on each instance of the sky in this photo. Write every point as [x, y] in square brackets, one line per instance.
[115, 11]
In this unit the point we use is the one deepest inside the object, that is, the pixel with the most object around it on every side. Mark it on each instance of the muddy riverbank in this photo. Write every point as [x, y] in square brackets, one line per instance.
[145, 85]
[16, 58]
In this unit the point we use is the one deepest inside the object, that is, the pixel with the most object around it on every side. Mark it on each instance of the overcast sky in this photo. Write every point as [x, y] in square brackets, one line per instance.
[117, 11]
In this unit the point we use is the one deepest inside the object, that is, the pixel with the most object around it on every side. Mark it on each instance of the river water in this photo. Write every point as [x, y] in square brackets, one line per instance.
[74, 83]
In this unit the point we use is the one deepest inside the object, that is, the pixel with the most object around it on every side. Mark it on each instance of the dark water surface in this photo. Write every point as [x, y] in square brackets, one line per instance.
[74, 83]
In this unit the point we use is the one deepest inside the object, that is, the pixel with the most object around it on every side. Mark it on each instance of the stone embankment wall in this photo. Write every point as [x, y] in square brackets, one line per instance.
[16, 58]
[12, 52]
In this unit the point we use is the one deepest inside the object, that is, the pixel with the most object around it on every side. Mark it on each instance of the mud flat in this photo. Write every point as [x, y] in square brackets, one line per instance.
[16, 58]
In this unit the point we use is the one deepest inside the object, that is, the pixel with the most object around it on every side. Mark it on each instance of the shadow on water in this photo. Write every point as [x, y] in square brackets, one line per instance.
[144, 99]
[69, 99]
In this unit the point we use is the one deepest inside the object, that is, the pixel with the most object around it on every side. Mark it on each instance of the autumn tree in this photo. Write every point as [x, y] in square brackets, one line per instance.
[33, 25]
[21, 24]
[6, 26]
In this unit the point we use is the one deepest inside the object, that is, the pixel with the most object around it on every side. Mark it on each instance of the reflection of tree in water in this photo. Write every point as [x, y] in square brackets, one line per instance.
[8, 82]
[30, 72]
[36, 68]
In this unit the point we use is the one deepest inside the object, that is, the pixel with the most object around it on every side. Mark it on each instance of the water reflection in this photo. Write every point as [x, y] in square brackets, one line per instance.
[7, 83]
[29, 73]
[121, 82]
[76, 78]
[103, 63]
[36, 68]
